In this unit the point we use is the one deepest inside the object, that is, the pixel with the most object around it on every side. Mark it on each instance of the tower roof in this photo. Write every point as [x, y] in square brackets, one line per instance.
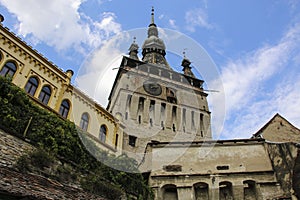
[154, 47]
[133, 50]
[187, 69]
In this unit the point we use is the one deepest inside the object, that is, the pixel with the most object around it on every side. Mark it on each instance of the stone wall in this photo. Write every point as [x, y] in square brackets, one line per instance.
[11, 148]
[16, 185]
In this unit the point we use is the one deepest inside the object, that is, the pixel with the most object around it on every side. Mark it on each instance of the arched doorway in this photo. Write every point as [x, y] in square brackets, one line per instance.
[170, 192]
[225, 191]
[201, 191]
[250, 190]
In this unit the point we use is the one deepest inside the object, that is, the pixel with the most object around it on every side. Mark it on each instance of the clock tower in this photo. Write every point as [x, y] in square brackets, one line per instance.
[156, 103]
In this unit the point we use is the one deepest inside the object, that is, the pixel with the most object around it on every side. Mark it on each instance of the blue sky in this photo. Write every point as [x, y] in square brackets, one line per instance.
[254, 46]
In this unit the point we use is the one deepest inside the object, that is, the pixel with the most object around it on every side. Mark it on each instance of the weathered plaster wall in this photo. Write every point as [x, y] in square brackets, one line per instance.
[249, 170]
[278, 129]
[283, 157]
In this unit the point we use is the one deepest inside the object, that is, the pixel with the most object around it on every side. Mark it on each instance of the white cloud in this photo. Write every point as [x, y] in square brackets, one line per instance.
[96, 75]
[172, 23]
[253, 88]
[108, 24]
[60, 24]
[197, 18]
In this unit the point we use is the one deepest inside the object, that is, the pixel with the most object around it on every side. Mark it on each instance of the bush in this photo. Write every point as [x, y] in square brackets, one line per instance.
[23, 164]
[41, 159]
[97, 185]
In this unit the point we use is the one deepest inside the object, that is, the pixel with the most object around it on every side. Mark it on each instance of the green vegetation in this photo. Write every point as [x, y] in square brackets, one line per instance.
[60, 138]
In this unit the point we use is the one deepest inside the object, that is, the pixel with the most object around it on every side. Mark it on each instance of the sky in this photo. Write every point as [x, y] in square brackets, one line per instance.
[247, 50]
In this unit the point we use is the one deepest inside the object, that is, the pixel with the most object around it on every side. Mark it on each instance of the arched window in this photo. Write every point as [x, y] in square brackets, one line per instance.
[84, 122]
[250, 191]
[64, 108]
[225, 190]
[201, 191]
[31, 86]
[9, 69]
[103, 132]
[170, 192]
[45, 95]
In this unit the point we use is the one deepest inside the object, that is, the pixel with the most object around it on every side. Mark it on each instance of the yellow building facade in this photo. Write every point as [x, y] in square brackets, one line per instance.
[51, 88]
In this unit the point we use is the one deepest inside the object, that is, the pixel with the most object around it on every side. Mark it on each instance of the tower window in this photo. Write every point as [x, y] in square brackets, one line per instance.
[162, 125]
[201, 124]
[31, 86]
[184, 116]
[193, 119]
[103, 133]
[45, 95]
[174, 112]
[174, 128]
[163, 109]
[171, 97]
[201, 117]
[128, 101]
[140, 119]
[9, 69]
[116, 141]
[84, 122]
[132, 140]
[64, 108]
[141, 104]
[152, 106]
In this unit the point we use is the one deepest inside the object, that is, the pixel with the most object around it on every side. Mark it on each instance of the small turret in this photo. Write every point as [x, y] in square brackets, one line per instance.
[1, 18]
[133, 50]
[187, 69]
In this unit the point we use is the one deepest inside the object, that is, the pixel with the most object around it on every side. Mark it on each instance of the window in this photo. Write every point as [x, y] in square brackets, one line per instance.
[223, 167]
[128, 101]
[132, 140]
[84, 122]
[9, 69]
[171, 97]
[152, 106]
[45, 95]
[162, 110]
[103, 132]
[116, 141]
[193, 119]
[31, 86]
[64, 108]
[174, 111]
[141, 104]
[225, 190]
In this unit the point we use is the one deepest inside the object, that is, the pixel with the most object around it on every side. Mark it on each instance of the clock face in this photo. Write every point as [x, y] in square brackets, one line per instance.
[152, 88]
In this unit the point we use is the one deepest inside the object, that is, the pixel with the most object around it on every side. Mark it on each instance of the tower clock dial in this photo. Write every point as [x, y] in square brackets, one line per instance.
[152, 88]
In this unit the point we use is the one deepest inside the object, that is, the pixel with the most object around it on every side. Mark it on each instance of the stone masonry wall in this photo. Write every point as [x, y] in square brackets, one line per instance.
[14, 184]
[11, 148]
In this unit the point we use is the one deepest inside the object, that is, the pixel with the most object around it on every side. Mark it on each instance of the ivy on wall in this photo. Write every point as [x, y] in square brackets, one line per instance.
[60, 137]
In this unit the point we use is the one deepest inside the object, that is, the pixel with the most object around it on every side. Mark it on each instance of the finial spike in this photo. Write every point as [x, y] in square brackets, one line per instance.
[134, 38]
[184, 52]
[152, 15]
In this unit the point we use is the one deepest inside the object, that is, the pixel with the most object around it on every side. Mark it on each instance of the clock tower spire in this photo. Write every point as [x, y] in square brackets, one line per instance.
[154, 49]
